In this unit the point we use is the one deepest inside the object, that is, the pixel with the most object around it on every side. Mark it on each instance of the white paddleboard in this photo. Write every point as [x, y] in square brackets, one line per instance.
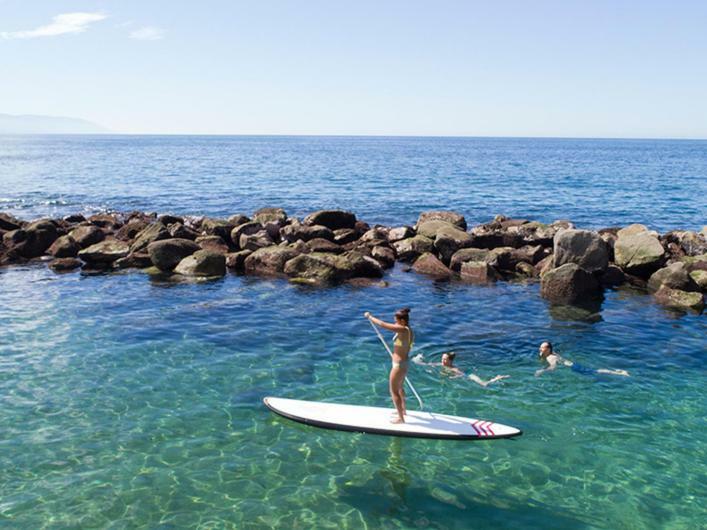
[376, 420]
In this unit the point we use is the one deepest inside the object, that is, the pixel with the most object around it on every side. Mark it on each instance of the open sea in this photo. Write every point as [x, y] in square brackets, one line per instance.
[127, 402]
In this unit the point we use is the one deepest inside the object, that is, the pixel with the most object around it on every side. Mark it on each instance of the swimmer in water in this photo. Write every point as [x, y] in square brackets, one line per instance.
[447, 365]
[553, 360]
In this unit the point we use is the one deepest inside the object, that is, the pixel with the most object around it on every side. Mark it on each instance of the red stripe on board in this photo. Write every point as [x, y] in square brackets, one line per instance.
[474, 426]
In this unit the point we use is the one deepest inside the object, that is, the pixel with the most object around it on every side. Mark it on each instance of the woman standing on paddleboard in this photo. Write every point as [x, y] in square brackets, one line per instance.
[402, 342]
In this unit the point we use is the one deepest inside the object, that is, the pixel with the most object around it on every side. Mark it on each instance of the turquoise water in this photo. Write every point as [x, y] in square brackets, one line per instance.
[130, 403]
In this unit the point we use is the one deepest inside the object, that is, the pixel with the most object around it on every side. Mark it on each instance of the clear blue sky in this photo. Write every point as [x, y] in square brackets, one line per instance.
[478, 68]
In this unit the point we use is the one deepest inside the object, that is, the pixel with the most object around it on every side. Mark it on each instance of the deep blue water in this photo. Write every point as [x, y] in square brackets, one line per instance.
[595, 183]
[126, 402]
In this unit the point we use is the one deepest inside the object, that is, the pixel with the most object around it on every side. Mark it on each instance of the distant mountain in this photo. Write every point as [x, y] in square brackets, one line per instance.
[28, 124]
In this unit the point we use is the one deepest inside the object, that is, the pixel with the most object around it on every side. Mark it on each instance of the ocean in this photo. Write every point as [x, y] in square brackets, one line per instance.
[130, 402]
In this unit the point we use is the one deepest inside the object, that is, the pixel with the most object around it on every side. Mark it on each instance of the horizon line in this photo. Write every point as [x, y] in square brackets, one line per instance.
[441, 136]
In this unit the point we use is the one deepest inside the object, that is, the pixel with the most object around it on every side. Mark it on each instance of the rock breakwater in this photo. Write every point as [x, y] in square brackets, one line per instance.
[329, 247]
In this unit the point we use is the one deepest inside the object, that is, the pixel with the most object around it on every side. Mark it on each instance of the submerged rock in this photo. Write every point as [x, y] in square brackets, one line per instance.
[677, 299]
[477, 272]
[65, 264]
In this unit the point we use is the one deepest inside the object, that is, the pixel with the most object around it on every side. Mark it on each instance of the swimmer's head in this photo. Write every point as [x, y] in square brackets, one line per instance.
[545, 349]
[448, 358]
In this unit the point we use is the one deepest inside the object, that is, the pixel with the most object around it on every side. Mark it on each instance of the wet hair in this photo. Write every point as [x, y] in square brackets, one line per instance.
[549, 345]
[403, 314]
[451, 354]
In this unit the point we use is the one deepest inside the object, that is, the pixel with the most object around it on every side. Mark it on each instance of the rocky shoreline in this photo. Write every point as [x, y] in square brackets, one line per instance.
[329, 247]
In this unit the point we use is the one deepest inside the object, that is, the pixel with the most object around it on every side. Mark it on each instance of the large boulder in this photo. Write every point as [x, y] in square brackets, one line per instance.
[248, 228]
[383, 255]
[109, 221]
[204, 263]
[167, 253]
[268, 261]
[181, 231]
[130, 230]
[449, 240]
[400, 232]
[531, 254]
[632, 230]
[64, 247]
[39, 236]
[432, 227]
[87, 235]
[270, 215]
[586, 249]
[477, 272]
[467, 255]
[429, 264]
[362, 266]
[151, 233]
[255, 241]
[295, 231]
[639, 254]
[316, 268]
[569, 284]
[342, 236]
[212, 243]
[323, 245]
[136, 260]
[674, 276]
[331, 219]
[8, 222]
[105, 252]
[677, 299]
[453, 218]
[411, 248]
[700, 279]
[236, 260]
[217, 227]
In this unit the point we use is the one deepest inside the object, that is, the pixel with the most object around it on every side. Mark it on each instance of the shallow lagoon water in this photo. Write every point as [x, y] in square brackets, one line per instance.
[133, 403]
[128, 402]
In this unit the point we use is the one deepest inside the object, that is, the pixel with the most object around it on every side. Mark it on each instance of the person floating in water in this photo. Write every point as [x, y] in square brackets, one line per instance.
[402, 344]
[447, 365]
[553, 360]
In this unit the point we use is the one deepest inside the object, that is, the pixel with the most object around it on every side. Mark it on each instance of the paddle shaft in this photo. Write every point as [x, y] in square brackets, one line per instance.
[385, 344]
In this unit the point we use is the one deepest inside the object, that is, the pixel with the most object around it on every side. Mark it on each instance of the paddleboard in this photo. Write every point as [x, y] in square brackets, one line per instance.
[376, 420]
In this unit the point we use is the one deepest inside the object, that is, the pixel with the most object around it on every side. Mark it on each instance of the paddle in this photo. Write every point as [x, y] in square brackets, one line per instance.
[385, 344]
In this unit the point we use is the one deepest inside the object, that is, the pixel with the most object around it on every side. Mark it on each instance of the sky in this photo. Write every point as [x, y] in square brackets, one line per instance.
[618, 69]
